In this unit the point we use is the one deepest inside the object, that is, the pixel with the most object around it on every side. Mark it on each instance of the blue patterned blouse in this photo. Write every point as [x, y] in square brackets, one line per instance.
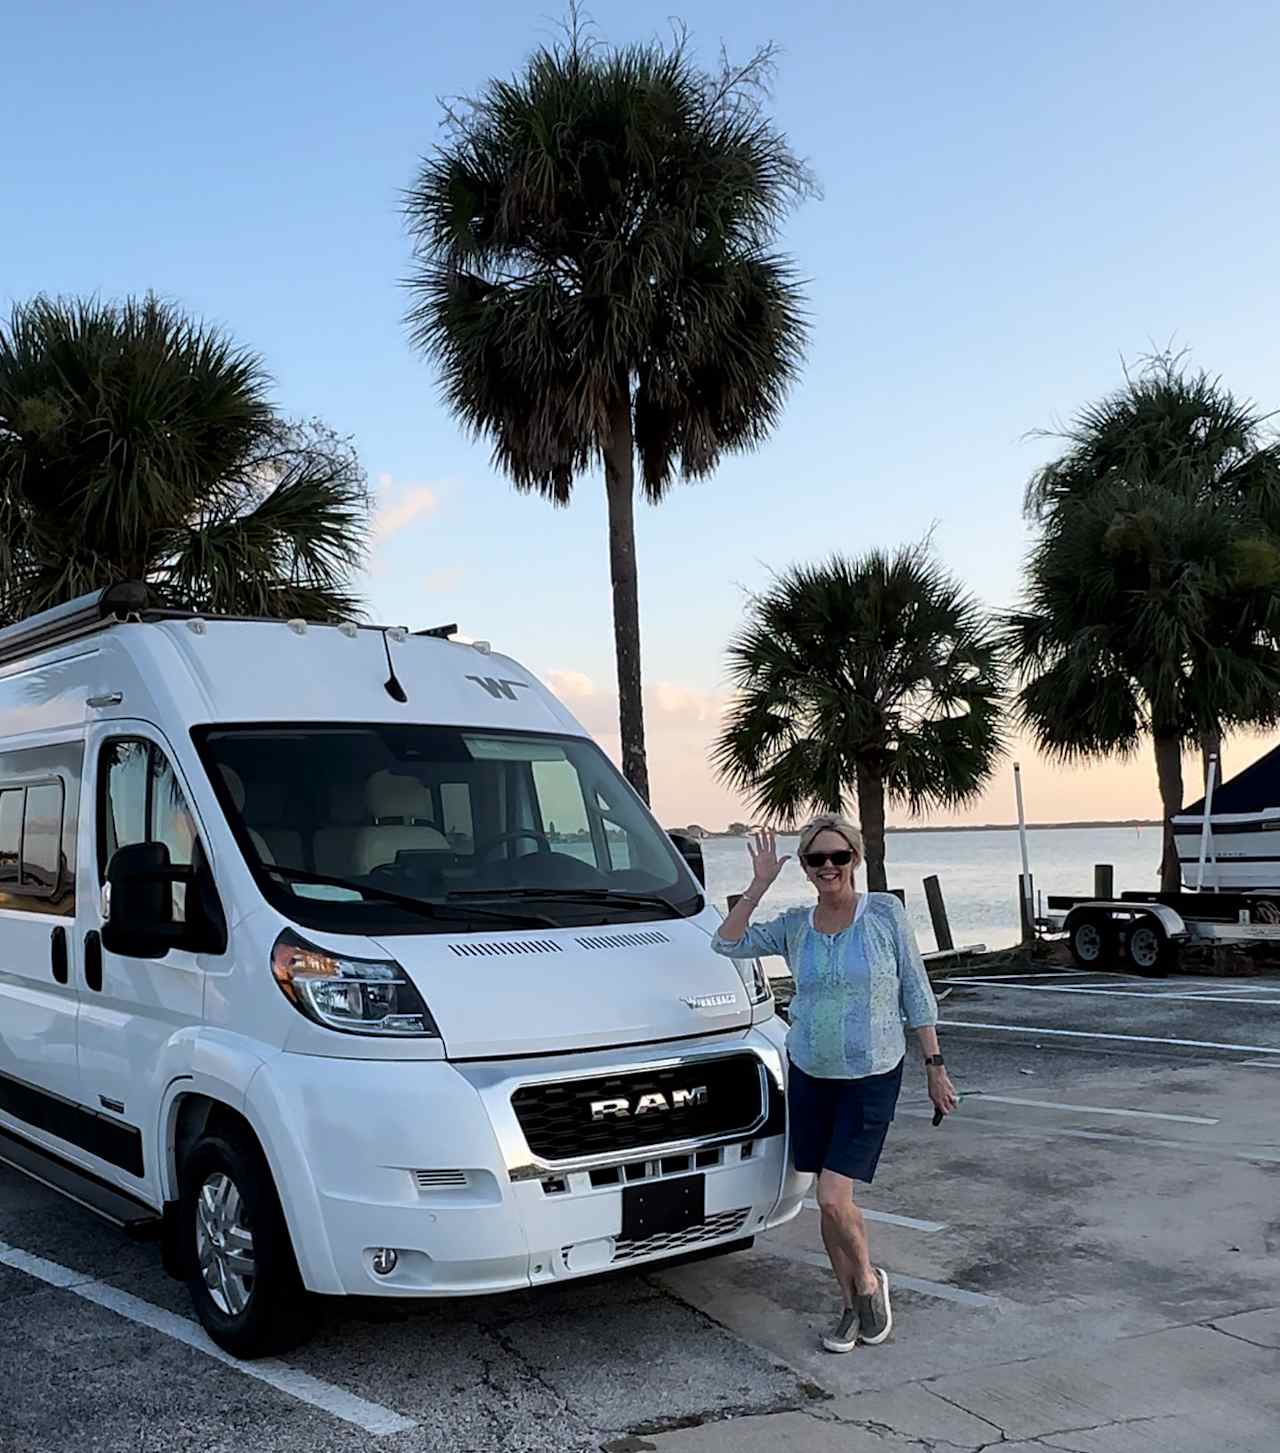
[854, 989]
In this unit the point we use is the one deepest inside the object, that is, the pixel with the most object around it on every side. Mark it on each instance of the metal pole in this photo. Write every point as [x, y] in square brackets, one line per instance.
[1028, 905]
[1206, 830]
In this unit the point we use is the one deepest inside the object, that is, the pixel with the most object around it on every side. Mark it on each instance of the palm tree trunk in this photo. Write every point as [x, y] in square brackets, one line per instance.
[619, 474]
[1169, 775]
[871, 811]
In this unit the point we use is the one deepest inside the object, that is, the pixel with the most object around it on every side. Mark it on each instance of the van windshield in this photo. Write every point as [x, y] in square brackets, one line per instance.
[339, 822]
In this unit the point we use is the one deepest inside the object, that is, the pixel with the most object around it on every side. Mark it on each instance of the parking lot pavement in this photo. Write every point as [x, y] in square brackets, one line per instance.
[1098, 1209]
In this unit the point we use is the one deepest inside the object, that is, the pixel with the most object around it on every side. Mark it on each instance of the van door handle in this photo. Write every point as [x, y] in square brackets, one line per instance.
[93, 960]
[58, 953]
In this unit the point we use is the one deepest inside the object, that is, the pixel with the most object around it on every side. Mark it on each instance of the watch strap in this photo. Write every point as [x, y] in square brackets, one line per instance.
[934, 1059]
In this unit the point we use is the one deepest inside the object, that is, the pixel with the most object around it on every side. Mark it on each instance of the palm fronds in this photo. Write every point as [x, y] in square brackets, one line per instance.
[879, 669]
[1151, 605]
[138, 443]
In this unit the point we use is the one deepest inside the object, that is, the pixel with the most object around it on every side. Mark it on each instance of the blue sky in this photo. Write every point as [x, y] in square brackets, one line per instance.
[1015, 196]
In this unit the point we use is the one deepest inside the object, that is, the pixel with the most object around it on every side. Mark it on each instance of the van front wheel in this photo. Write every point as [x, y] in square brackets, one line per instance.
[242, 1274]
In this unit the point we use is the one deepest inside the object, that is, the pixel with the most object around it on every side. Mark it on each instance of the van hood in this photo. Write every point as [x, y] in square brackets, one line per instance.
[522, 993]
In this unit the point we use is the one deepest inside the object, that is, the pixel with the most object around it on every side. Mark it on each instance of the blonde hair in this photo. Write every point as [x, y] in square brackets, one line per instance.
[833, 822]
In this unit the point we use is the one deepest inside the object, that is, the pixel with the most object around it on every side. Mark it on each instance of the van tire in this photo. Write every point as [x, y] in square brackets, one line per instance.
[262, 1313]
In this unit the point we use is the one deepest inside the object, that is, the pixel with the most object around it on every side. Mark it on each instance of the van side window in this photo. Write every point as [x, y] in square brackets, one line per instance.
[141, 802]
[42, 838]
[10, 835]
[31, 848]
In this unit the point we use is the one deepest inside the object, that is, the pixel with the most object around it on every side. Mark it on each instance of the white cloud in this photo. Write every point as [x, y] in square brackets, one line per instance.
[684, 704]
[571, 685]
[399, 504]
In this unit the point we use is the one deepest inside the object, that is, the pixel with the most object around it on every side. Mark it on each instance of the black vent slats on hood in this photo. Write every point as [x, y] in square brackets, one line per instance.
[490, 948]
[623, 940]
[507, 946]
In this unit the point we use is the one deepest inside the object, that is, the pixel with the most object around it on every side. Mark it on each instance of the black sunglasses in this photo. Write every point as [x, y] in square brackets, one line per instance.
[840, 859]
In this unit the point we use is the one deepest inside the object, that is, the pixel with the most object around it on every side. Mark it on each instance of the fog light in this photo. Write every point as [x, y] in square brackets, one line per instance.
[385, 1260]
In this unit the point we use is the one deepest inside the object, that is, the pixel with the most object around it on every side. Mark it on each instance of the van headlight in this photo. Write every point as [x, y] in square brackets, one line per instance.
[358, 996]
[753, 976]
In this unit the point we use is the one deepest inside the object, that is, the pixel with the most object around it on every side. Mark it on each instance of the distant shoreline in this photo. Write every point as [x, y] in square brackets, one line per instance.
[984, 827]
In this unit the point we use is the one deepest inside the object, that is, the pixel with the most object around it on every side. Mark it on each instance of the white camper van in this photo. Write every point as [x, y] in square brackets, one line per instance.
[343, 958]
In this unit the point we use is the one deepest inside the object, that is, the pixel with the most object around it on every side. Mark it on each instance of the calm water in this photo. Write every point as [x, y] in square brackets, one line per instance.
[978, 872]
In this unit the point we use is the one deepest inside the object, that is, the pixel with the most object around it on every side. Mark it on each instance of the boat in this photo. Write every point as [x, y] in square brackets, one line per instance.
[1244, 832]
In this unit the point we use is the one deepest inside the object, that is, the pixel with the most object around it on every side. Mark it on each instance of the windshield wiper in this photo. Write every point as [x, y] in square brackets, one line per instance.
[426, 908]
[610, 897]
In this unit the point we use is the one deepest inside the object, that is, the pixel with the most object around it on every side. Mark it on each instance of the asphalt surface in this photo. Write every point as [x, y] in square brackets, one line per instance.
[1100, 1181]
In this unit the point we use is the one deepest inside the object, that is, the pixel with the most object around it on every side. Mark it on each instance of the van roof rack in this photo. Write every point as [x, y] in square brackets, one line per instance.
[126, 601]
[76, 618]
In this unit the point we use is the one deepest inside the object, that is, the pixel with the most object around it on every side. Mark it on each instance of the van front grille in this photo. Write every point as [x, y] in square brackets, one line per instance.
[616, 1113]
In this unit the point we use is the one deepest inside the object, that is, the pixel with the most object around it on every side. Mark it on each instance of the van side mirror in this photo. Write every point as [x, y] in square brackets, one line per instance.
[139, 902]
[690, 849]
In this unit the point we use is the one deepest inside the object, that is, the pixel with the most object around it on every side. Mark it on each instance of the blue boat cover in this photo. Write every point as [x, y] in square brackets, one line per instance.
[1253, 790]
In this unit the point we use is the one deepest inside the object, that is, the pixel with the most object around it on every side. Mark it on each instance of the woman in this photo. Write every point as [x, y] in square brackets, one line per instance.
[859, 977]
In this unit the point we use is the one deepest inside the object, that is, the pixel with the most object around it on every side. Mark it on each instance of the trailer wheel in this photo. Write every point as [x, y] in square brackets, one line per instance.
[1148, 948]
[1089, 941]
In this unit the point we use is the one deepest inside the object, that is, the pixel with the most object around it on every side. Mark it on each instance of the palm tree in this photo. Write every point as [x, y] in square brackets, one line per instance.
[139, 444]
[877, 676]
[594, 276]
[1152, 602]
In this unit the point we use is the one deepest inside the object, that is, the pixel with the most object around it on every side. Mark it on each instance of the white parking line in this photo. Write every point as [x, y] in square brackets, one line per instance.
[1129, 993]
[889, 1219]
[1092, 1109]
[940, 1289]
[1097, 1034]
[1133, 1142]
[337, 1401]
[999, 978]
[1234, 996]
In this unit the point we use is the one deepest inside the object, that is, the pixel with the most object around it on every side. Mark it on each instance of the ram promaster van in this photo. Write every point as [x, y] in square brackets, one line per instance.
[345, 961]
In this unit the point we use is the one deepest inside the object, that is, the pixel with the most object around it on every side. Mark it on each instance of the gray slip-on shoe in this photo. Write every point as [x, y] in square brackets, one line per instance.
[875, 1314]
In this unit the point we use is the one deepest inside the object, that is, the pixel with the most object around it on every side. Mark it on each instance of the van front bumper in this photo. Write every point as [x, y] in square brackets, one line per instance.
[428, 1159]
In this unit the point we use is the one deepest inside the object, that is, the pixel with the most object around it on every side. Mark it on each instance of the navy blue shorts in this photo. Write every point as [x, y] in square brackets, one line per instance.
[841, 1125]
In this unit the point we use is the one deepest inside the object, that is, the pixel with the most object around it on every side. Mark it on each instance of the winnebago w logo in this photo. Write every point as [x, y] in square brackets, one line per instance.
[499, 689]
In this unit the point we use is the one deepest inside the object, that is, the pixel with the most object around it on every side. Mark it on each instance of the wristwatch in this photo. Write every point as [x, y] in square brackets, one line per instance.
[934, 1059]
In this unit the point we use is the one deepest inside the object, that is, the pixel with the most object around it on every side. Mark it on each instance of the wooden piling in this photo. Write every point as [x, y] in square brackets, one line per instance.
[938, 913]
[1104, 881]
[1027, 908]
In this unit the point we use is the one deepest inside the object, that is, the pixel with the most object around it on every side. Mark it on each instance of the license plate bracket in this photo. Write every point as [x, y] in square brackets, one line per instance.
[663, 1208]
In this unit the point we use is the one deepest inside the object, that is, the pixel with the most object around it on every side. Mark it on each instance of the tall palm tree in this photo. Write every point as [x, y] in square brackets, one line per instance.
[878, 677]
[595, 277]
[139, 444]
[1152, 602]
